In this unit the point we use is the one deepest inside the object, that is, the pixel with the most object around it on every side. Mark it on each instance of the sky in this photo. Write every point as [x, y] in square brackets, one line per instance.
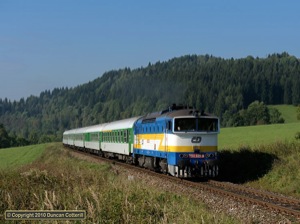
[64, 43]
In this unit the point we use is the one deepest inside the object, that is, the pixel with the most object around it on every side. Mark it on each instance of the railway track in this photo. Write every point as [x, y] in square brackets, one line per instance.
[270, 201]
[271, 198]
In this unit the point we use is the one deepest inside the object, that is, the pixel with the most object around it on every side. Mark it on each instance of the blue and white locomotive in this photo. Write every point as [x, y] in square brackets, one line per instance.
[179, 141]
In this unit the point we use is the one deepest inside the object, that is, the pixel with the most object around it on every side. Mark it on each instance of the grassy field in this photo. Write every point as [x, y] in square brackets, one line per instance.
[13, 158]
[288, 112]
[264, 156]
[237, 137]
[59, 181]
[273, 167]
[253, 136]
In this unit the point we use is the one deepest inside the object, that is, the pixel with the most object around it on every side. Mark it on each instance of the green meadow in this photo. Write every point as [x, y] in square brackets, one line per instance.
[237, 137]
[288, 112]
[234, 138]
[263, 156]
[12, 158]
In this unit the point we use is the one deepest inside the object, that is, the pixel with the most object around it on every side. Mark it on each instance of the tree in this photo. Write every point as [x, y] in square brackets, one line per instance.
[275, 116]
[4, 138]
[257, 113]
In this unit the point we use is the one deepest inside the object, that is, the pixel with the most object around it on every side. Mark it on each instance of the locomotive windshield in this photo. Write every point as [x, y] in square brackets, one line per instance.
[196, 124]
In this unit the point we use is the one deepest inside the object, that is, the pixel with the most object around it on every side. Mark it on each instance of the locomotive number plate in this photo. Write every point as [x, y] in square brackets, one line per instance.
[196, 156]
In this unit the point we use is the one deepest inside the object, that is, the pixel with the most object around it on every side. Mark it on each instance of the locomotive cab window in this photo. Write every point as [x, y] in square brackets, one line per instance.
[196, 125]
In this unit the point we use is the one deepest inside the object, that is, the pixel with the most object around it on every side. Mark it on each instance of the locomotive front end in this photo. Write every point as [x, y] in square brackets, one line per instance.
[192, 145]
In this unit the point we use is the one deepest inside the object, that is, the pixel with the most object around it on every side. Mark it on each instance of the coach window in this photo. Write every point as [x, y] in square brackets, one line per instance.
[129, 136]
[122, 134]
[125, 136]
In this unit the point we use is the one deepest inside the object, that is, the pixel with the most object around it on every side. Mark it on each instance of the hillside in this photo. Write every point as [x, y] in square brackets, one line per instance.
[250, 136]
[233, 138]
[13, 158]
[289, 112]
[216, 85]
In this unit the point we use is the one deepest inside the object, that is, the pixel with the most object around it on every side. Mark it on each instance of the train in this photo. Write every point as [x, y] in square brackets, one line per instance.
[179, 141]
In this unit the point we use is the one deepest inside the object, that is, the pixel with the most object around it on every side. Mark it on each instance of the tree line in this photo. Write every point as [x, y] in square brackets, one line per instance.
[224, 87]
[7, 141]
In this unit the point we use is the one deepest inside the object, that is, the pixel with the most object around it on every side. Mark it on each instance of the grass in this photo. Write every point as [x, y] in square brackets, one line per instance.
[264, 156]
[58, 181]
[283, 175]
[13, 158]
[288, 112]
[237, 137]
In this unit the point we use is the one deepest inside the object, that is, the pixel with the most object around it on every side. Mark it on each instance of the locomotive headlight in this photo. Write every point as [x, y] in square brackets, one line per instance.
[210, 155]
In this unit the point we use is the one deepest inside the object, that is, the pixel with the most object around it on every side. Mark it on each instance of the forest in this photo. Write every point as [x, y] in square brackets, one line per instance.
[224, 87]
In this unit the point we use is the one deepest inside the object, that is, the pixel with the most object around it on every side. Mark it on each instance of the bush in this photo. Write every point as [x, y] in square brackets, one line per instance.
[297, 135]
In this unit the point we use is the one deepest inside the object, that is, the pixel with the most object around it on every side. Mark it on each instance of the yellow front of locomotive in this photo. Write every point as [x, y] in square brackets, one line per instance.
[192, 145]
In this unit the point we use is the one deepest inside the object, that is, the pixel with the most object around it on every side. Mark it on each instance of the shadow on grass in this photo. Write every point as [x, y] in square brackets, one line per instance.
[244, 165]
